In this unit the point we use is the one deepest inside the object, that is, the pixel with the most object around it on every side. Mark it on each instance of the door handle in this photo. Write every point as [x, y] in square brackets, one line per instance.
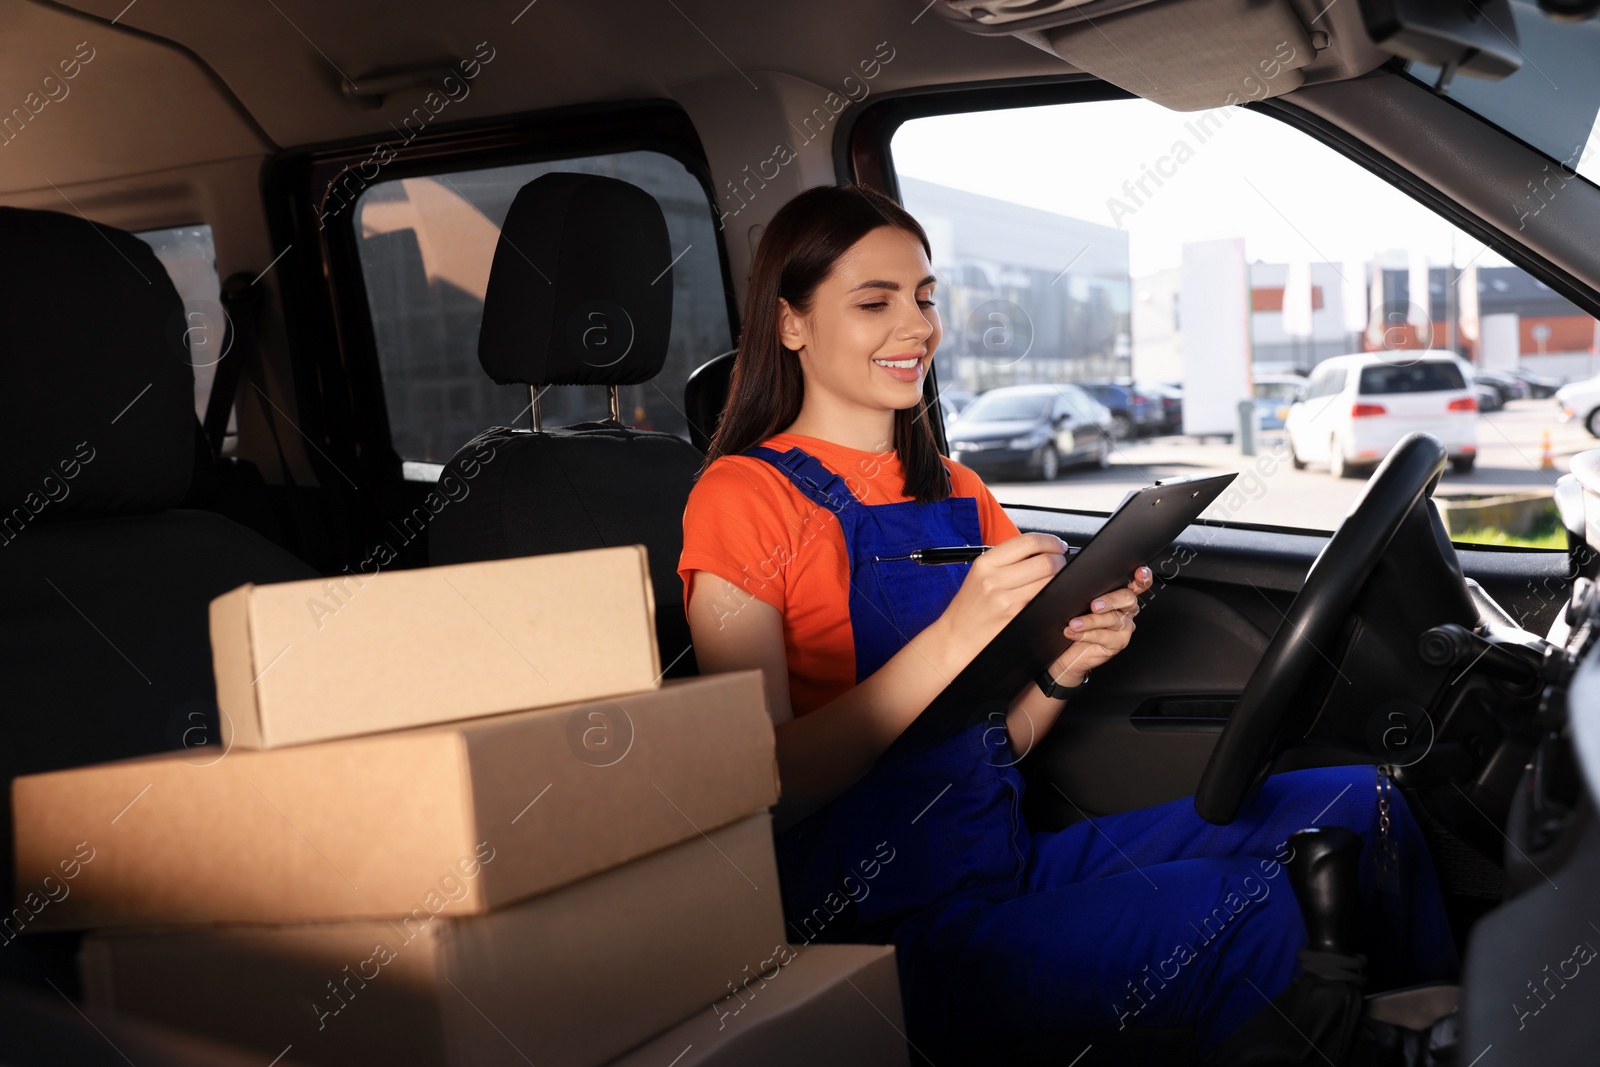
[1184, 714]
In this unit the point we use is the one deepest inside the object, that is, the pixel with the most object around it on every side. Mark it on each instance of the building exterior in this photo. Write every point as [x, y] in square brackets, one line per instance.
[1025, 295]
[1552, 335]
[1274, 345]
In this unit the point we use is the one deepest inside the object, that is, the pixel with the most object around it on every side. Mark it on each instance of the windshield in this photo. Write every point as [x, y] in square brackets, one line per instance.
[1117, 241]
[1551, 102]
[1001, 407]
[1432, 377]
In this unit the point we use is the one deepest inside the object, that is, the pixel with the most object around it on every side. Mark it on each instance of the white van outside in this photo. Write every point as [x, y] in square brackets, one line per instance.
[1355, 408]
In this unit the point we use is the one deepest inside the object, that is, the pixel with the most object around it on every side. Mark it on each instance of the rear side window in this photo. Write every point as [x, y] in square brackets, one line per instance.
[426, 245]
[190, 257]
[1424, 377]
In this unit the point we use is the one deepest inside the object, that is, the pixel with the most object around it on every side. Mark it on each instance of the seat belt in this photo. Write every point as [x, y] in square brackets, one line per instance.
[240, 300]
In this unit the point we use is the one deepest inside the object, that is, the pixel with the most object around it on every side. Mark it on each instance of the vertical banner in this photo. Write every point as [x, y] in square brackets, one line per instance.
[1376, 321]
[1297, 299]
[1418, 313]
[1216, 335]
[1502, 341]
[1467, 305]
[1353, 296]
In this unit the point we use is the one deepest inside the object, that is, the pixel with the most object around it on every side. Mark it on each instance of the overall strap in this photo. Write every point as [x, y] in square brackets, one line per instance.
[818, 483]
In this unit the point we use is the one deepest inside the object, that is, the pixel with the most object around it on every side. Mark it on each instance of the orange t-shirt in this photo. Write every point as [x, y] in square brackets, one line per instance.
[747, 523]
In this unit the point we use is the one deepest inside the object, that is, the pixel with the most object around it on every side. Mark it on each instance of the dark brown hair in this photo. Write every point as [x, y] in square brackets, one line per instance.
[797, 252]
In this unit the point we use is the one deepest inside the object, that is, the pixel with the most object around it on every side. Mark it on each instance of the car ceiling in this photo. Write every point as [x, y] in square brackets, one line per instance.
[178, 82]
[175, 83]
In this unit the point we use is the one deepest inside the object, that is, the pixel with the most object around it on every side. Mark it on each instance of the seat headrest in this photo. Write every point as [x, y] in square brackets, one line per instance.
[96, 388]
[580, 292]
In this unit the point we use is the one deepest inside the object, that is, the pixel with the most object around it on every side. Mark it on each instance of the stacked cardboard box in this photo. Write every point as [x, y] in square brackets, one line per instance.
[826, 1004]
[453, 817]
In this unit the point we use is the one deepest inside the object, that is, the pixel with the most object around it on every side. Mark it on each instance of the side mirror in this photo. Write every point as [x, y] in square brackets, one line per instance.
[1299, 395]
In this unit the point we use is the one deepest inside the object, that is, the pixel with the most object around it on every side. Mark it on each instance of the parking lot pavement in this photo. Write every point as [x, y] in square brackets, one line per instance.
[1271, 491]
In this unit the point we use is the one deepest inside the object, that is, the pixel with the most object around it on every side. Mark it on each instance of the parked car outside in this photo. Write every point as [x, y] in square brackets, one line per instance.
[1132, 412]
[1580, 402]
[1356, 408]
[1169, 400]
[1032, 431]
[1489, 398]
[950, 412]
[1510, 387]
[958, 399]
[1274, 393]
[1540, 386]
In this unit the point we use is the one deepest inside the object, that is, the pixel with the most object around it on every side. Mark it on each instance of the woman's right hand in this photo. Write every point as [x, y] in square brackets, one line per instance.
[996, 587]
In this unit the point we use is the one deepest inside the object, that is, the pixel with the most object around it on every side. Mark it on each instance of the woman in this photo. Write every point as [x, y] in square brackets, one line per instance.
[821, 478]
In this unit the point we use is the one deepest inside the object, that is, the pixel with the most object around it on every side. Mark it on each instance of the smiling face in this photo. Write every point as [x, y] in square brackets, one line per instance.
[865, 342]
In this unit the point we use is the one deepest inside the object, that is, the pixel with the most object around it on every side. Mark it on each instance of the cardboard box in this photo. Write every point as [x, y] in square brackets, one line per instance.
[45, 1029]
[359, 654]
[567, 979]
[456, 819]
[829, 1004]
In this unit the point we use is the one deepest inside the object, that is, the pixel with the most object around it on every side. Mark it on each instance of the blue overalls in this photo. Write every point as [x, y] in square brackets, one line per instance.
[1151, 917]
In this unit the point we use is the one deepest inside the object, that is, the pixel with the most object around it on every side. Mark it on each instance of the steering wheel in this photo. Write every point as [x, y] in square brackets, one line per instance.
[1260, 723]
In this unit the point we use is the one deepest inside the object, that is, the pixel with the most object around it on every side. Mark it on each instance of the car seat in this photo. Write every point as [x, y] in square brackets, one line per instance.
[576, 297]
[106, 577]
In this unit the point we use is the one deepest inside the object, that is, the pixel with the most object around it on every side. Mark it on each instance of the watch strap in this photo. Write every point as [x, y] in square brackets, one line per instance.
[1055, 690]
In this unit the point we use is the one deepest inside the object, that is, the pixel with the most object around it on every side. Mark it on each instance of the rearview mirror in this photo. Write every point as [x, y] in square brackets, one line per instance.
[1478, 39]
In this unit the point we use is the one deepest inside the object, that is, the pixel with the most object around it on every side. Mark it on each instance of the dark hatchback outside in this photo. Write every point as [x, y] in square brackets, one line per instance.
[1032, 431]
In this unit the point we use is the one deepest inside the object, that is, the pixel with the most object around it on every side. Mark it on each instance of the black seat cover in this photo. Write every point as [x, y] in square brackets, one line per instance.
[105, 582]
[574, 299]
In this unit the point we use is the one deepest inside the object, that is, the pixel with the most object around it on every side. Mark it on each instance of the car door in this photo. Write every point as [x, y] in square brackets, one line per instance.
[1294, 423]
[1324, 410]
[1072, 426]
[1301, 425]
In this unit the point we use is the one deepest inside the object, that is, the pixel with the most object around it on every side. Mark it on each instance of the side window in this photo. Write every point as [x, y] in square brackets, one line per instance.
[426, 245]
[1318, 385]
[191, 261]
[1066, 239]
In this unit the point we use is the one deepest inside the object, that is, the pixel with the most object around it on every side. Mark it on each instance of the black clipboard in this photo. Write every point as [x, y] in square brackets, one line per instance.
[1143, 525]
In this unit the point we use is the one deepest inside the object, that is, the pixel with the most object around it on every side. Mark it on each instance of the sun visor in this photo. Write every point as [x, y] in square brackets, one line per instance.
[1193, 55]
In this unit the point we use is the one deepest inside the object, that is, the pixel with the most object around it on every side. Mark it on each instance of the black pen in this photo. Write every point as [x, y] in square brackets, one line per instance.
[952, 554]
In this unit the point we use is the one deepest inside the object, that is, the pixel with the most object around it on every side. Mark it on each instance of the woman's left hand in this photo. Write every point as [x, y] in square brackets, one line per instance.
[1103, 633]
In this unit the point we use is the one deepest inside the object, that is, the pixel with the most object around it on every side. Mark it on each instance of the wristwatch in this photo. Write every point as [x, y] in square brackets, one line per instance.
[1055, 690]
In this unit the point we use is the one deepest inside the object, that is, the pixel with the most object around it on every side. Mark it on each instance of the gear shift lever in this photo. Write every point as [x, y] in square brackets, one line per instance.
[1322, 870]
